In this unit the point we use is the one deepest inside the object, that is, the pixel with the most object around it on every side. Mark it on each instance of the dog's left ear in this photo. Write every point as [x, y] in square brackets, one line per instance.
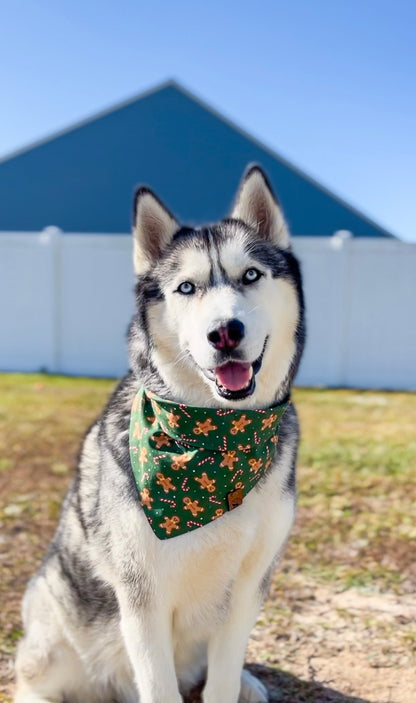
[257, 206]
[153, 229]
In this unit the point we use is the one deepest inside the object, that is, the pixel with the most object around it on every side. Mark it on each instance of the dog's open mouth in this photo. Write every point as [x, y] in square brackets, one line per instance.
[236, 380]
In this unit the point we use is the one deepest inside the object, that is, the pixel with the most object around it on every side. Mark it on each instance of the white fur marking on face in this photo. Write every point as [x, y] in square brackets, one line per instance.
[234, 260]
[281, 303]
[195, 266]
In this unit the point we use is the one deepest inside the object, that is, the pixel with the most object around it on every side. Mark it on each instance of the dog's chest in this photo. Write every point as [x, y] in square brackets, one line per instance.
[201, 573]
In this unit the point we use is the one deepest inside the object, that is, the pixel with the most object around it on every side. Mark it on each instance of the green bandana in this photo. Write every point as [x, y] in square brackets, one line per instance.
[193, 464]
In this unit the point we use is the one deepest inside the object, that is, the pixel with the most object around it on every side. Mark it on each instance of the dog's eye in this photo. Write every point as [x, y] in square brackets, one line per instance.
[186, 288]
[250, 276]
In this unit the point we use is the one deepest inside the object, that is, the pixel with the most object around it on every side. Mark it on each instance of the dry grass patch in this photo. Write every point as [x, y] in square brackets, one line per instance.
[341, 614]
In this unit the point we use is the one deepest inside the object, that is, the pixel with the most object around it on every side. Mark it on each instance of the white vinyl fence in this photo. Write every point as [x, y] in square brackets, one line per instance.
[66, 300]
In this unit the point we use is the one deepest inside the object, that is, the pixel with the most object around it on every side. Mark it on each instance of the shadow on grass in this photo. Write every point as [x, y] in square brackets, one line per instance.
[285, 688]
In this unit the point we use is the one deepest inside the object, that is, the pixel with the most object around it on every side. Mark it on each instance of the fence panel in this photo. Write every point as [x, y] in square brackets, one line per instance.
[28, 315]
[381, 324]
[96, 303]
[324, 271]
[66, 301]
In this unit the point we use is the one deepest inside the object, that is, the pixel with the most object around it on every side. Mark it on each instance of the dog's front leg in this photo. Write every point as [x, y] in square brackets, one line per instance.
[147, 633]
[226, 681]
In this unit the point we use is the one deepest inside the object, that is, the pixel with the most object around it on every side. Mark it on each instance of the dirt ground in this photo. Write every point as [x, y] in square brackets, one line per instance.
[340, 623]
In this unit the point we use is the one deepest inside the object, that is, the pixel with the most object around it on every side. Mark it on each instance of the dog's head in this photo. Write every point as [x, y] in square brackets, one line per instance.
[220, 308]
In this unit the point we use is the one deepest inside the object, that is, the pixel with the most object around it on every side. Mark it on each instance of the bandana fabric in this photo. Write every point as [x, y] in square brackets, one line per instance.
[191, 465]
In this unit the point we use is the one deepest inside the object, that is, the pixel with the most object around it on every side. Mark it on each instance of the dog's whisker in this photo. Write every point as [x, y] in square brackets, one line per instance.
[256, 307]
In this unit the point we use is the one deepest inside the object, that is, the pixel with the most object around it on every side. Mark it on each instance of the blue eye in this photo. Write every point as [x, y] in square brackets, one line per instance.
[251, 275]
[186, 288]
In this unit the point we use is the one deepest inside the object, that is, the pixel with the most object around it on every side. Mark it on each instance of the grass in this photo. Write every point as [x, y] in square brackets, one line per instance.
[355, 528]
[357, 491]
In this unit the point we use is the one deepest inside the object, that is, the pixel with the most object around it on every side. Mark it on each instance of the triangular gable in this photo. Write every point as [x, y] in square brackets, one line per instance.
[82, 179]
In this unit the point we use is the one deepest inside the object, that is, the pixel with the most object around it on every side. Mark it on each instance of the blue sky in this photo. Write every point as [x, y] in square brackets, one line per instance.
[328, 84]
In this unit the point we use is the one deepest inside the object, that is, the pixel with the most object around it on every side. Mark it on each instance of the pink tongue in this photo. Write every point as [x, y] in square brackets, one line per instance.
[233, 375]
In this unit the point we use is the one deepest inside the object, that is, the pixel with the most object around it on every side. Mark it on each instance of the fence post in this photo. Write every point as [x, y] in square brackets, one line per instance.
[52, 236]
[342, 241]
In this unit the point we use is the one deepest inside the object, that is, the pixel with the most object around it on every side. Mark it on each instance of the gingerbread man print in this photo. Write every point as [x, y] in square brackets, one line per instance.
[268, 422]
[143, 455]
[228, 459]
[145, 498]
[161, 440]
[255, 465]
[170, 524]
[172, 420]
[204, 427]
[166, 483]
[137, 431]
[180, 462]
[193, 506]
[240, 424]
[206, 482]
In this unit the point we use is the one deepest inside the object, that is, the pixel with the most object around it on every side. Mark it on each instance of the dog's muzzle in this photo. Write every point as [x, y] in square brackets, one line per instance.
[236, 380]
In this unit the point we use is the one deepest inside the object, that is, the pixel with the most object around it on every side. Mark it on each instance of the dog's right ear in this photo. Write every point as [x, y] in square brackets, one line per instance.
[153, 229]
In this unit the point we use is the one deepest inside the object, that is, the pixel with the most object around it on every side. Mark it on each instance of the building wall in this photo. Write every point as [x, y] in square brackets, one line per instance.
[67, 301]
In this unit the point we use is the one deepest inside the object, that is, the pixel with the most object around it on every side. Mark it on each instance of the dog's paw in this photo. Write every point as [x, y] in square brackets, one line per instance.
[252, 690]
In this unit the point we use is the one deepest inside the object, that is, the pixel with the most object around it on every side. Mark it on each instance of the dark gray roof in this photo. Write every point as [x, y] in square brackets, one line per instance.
[83, 179]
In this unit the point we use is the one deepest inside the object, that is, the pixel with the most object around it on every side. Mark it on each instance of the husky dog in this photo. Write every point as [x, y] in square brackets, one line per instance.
[114, 613]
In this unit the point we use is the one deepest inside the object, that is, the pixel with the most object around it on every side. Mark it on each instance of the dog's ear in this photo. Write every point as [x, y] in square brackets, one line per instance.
[257, 206]
[153, 229]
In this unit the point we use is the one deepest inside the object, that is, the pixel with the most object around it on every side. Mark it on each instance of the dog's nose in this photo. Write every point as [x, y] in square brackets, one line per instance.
[227, 335]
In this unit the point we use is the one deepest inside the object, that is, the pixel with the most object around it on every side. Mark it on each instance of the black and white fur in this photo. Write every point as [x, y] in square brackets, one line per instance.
[114, 614]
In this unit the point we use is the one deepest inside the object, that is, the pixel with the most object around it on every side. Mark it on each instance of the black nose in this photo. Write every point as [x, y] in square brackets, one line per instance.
[227, 335]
